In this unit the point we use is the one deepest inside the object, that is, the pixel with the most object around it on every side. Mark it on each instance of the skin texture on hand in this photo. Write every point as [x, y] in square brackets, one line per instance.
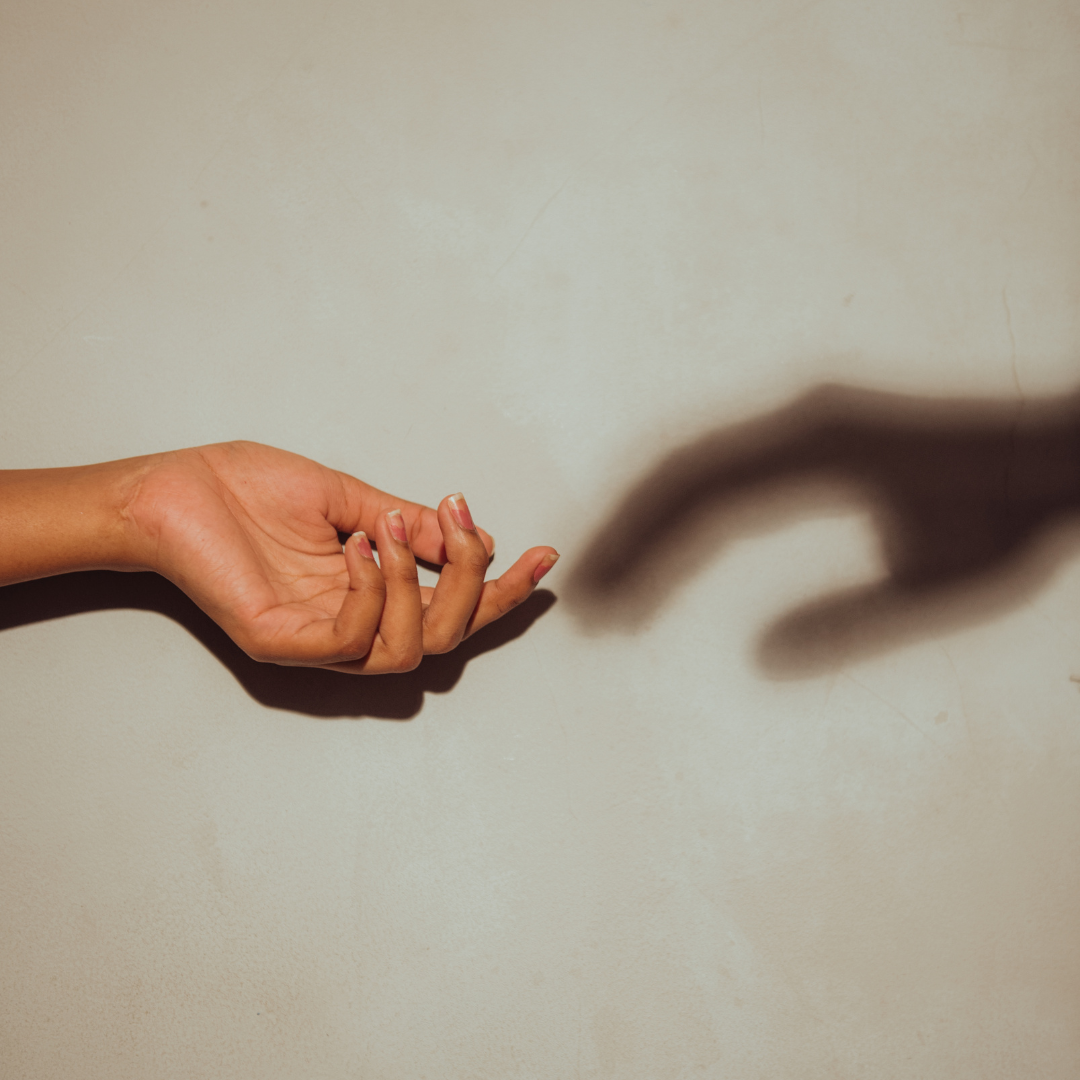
[250, 533]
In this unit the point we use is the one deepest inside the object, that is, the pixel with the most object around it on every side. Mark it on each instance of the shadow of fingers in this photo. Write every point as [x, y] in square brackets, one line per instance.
[870, 620]
[310, 691]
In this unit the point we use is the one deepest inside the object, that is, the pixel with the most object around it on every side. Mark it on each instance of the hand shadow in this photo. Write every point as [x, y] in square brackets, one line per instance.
[302, 690]
[976, 504]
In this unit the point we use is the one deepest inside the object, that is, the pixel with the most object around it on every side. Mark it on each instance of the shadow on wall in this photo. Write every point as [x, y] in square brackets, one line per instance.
[302, 690]
[976, 504]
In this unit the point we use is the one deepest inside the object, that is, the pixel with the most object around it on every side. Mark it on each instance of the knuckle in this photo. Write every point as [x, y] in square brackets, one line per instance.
[406, 659]
[475, 559]
[407, 575]
[354, 647]
[441, 641]
[505, 600]
[505, 603]
[371, 587]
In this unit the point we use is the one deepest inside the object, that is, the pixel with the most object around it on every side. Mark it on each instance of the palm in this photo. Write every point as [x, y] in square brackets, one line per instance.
[251, 533]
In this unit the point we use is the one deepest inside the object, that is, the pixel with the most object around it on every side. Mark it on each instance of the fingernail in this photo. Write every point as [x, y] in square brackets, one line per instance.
[397, 526]
[460, 509]
[546, 563]
[363, 546]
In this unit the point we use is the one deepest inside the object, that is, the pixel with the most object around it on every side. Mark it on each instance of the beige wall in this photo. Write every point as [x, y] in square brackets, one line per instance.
[525, 250]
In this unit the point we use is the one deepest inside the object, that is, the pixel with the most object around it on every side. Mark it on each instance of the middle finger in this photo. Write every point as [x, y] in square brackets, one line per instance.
[460, 581]
[399, 644]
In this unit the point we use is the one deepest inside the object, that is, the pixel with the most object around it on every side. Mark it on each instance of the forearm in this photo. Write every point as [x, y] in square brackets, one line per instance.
[53, 521]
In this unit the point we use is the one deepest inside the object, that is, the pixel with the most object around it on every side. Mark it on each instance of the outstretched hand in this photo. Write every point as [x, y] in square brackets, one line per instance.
[250, 533]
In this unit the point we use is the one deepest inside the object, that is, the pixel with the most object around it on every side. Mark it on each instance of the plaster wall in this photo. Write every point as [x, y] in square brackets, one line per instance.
[526, 251]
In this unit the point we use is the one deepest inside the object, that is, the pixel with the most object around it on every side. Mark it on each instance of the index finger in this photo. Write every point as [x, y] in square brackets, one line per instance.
[360, 505]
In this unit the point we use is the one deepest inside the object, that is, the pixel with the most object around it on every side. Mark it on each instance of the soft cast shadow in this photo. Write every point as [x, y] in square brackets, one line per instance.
[976, 504]
[302, 690]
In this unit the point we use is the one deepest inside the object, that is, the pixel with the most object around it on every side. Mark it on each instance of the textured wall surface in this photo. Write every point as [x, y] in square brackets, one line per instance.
[527, 250]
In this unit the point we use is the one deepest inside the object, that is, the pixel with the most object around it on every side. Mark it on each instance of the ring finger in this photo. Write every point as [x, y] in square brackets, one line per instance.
[399, 644]
[461, 579]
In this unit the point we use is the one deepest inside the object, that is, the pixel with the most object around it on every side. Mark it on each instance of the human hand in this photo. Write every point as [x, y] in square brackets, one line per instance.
[250, 533]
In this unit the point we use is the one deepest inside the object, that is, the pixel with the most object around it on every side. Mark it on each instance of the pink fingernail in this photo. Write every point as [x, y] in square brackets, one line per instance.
[460, 509]
[546, 563]
[397, 526]
[363, 546]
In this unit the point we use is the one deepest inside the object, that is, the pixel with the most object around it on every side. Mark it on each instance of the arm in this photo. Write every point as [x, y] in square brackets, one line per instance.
[54, 521]
[251, 534]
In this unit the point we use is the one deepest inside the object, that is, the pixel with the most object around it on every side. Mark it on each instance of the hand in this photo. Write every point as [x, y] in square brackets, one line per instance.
[250, 533]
